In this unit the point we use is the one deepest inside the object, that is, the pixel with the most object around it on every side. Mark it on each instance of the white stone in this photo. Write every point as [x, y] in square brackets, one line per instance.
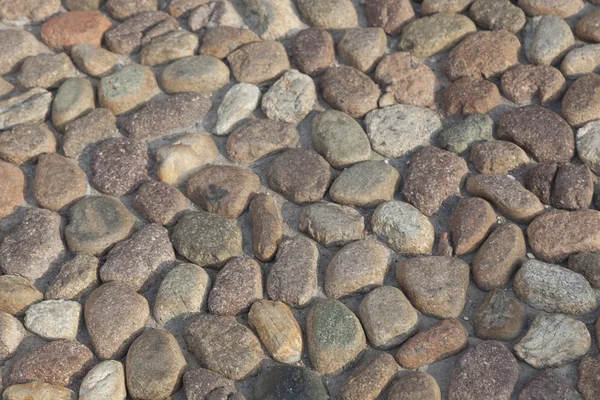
[580, 61]
[547, 38]
[11, 334]
[238, 105]
[291, 98]
[54, 319]
[588, 145]
[274, 19]
[106, 381]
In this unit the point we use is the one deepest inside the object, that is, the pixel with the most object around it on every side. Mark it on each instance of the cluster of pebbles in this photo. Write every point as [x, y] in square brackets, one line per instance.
[299, 199]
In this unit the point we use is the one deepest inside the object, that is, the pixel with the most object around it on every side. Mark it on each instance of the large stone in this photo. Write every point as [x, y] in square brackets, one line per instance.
[436, 285]
[469, 96]
[45, 71]
[556, 235]
[154, 365]
[435, 34]
[580, 61]
[388, 317]
[291, 98]
[12, 333]
[180, 160]
[331, 224]
[275, 19]
[313, 51]
[15, 46]
[499, 317]
[54, 319]
[64, 31]
[391, 15]
[487, 370]
[369, 379]
[586, 27]
[58, 182]
[334, 336]
[160, 203]
[293, 277]
[356, 268]
[349, 90]
[286, 382]
[403, 227]
[553, 288]
[74, 98]
[498, 14]
[277, 329]
[31, 107]
[433, 177]
[34, 246]
[162, 118]
[329, 14]
[105, 381]
[169, 47]
[573, 187]
[96, 126]
[219, 42]
[114, 316]
[588, 381]
[128, 37]
[31, 11]
[75, 279]
[259, 138]
[127, 89]
[25, 143]
[581, 103]
[207, 239]
[553, 340]
[366, 184]
[588, 145]
[561, 8]
[14, 185]
[415, 386]
[267, 226]
[258, 62]
[507, 194]
[37, 390]
[524, 83]
[444, 339]
[93, 60]
[497, 157]
[539, 179]
[199, 74]
[236, 287]
[224, 346]
[548, 385]
[17, 294]
[547, 39]
[237, 106]
[499, 256]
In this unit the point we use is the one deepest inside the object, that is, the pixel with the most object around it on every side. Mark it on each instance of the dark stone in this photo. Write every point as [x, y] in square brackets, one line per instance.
[288, 382]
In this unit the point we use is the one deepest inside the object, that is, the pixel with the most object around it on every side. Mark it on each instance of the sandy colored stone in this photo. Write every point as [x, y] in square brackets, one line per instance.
[75, 27]
[391, 15]
[160, 203]
[524, 83]
[587, 27]
[259, 138]
[75, 279]
[105, 381]
[499, 317]
[29, 10]
[237, 285]
[237, 106]
[329, 14]
[433, 177]
[277, 329]
[547, 39]
[169, 47]
[291, 98]
[497, 157]
[93, 60]
[54, 319]
[293, 277]
[365, 184]
[560, 8]
[469, 96]
[199, 74]
[581, 103]
[258, 62]
[122, 9]
[349, 90]
[58, 182]
[498, 257]
[444, 339]
[94, 127]
[31, 107]
[507, 194]
[180, 160]
[415, 386]
[429, 7]
[114, 316]
[25, 143]
[12, 333]
[388, 317]
[369, 379]
[15, 46]
[313, 51]
[498, 14]
[17, 294]
[45, 71]
[74, 98]
[275, 19]
[581, 61]
[589, 379]
[555, 235]
[362, 48]
[219, 42]
[14, 184]
[215, 14]
[470, 222]
[127, 89]
[129, 36]
[37, 390]
[267, 226]
[436, 285]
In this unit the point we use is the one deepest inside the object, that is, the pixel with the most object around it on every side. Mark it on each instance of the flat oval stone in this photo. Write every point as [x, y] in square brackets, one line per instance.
[433, 177]
[45, 71]
[129, 36]
[58, 181]
[61, 362]
[581, 103]
[581, 61]
[12, 333]
[66, 30]
[561, 8]
[75, 279]
[154, 366]
[508, 195]
[436, 285]
[96, 126]
[486, 370]
[74, 98]
[287, 382]
[16, 45]
[415, 386]
[17, 294]
[224, 346]
[552, 288]
[548, 385]
[313, 51]
[259, 138]
[237, 106]
[391, 15]
[349, 90]
[330, 14]
[403, 227]
[127, 89]
[115, 315]
[397, 130]
[444, 339]
[300, 175]
[159, 202]
[95, 223]
[223, 189]
[523, 83]
[291, 98]
[25, 143]
[356, 268]
[370, 379]
[220, 41]
[54, 319]
[93, 60]
[340, 139]
[169, 47]
[277, 329]
[237, 285]
[122, 9]
[470, 222]
[366, 184]
[498, 257]
[499, 317]
[258, 62]
[14, 183]
[207, 239]
[105, 380]
[553, 340]
[547, 39]
[556, 235]
[267, 226]
[435, 34]
[293, 277]
[199, 74]
[470, 96]
[497, 157]
[25, 391]
[498, 14]
[31, 107]
[388, 317]
[331, 224]
[334, 336]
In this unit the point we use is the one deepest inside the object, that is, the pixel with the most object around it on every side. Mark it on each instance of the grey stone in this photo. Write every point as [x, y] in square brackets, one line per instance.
[199, 74]
[588, 145]
[287, 382]
[105, 381]
[45, 71]
[474, 128]
[15, 46]
[25, 143]
[331, 224]
[313, 51]
[498, 14]
[12, 333]
[275, 19]
[366, 184]
[550, 386]
[31, 107]
[122, 9]
[93, 60]
[54, 319]
[587, 264]
[581, 61]
[160, 203]
[291, 98]
[547, 39]
[127, 89]
[96, 126]
[497, 157]
[219, 42]
[128, 37]
[75, 279]
[74, 98]
[169, 47]
[237, 285]
[215, 14]
[370, 379]
[237, 106]
[329, 14]
[200, 383]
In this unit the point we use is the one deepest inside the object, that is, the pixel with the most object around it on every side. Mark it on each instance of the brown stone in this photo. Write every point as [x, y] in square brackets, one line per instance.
[497, 157]
[25, 143]
[588, 381]
[484, 53]
[499, 317]
[548, 385]
[433, 177]
[581, 103]
[573, 187]
[313, 51]
[436, 286]
[223, 189]
[507, 194]
[160, 202]
[443, 340]
[267, 226]
[330, 14]
[555, 235]
[130, 35]
[122, 9]
[61, 362]
[258, 62]
[470, 222]
[469, 96]
[523, 83]
[362, 48]
[32, 10]
[415, 386]
[17, 294]
[540, 179]
[16, 45]
[391, 15]
[58, 182]
[45, 71]
[408, 79]
[13, 192]
[349, 90]
[542, 133]
[222, 40]
[331, 224]
[75, 279]
[369, 379]
[499, 256]
[587, 264]
[39, 390]
[93, 60]
[237, 285]
[76, 27]
[300, 175]
[97, 125]
[199, 383]
[259, 138]
[587, 27]
[560, 8]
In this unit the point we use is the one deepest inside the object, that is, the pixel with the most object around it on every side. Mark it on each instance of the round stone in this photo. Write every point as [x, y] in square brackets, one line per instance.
[581, 103]
[45, 71]
[160, 203]
[547, 39]
[588, 379]
[365, 184]
[586, 264]
[74, 98]
[524, 83]
[258, 62]
[54, 319]
[96, 126]
[331, 224]
[539, 180]
[313, 51]
[586, 27]
[129, 36]
[169, 47]
[291, 98]
[497, 157]
[93, 60]
[581, 61]
[362, 48]
[127, 89]
[105, 380]
[473, 129]
[200, 74]
[548, 385]
[573, 187]
[76, 27]
[470, 96]
[58, 181]
[349, 90]
[32, 10]
[236, 287]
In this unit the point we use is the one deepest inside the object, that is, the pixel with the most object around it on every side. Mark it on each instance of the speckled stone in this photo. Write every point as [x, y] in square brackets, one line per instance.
[267, 226]
[497, 157]
[587, 264]
[15, 46]
[291, 98]
[74, 99]
[589, 379]
[499, 317]
[473, 129]
[127, 89]
[15, 185]
[199, 74]
[75, 279]
[470, 96]
[391, 15]
[524, 83]
[25, 143]
[17, 294]
[215, 14]
[169, 47]
[369, 379]
[286, 382]
[547, 39]
[313, 51]
[498, 14]
[105, 380]
[259, 138]
[32, 10]
[31, 107]
[180, 160]
[96, 126]
[93, 60]
[470, 222]
[38, 389]
[160, 203]
[349, 90]
[64, 31]
[58, 182]
[539, 179]
[237, 107]
[122, 9]
[12, 333]
[415, 386]
[220, 41]
[548, 385]
[45, 71]
[581, 103]
[331, 224]
[586, 28]
[54, 319]
[362, 48]
[237, 285]
[258, 62]
[128, 37]
[560, 8]
[366, 184]
[573, 187]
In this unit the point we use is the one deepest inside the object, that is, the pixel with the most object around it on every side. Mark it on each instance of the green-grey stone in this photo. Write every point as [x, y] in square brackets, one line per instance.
[458, 138]
[288, 382]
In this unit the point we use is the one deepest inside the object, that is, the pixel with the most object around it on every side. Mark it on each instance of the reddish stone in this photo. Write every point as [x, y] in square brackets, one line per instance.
[76, 27]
